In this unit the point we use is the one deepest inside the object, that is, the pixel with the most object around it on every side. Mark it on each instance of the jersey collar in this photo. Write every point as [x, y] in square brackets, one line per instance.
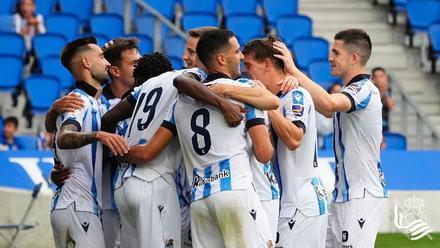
[358, 78]
[214, 76]
[87, 88]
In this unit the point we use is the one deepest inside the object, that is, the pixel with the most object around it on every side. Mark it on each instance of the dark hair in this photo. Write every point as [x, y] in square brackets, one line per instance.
[113, 49]
[74, 47]
[198, 32]
[211, 43]
[12, 120]
[358, 40]
[261, 49]
[375, 69]
[151, 65]
[18, 7]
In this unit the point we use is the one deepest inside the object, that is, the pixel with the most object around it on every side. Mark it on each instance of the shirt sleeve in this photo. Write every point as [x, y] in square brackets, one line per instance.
[169, 121]
[76, 117]
[254, 116]
[296, 108]
[41, 27]
[134, 95]
[359, 94]
[198, 73]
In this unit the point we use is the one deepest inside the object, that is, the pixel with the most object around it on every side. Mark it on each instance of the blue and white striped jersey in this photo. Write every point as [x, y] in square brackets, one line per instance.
[152, 100]
[84, 186]
[215, 154]
[357, 139]
[300, 185]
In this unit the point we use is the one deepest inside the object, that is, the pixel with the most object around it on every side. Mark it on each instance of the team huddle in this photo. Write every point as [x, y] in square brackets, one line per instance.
[203, 157]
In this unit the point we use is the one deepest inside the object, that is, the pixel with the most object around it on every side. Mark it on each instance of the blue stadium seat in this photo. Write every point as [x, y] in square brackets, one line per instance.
[194, 20]
[111, 25]
[177, 62]
[48, 44]
[45, 7]
[174, 47]
[51, 66]
[320, 72]
[82, 9]
[12, 44]
[42, 92]
[200, 6]
[394, 141]
[7, 7]
[11, 74]
[434, 38]
[165, 7]
[145, 42]
[233, 7]
[307, 50]
[421, 14]
[118, 7]
[26, 142]
[290, 28]
[145, 25]
[64, 24]
[245, 27]
[6, 23]
[275, 9]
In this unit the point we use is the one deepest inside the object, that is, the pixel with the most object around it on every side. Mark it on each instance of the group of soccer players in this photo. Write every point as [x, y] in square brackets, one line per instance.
[200, 157]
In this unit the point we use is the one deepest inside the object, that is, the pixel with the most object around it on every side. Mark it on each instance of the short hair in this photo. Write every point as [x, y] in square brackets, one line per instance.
[358, 41]
[375, 69]
[211, 43]
[198, 32]
[262, 48]
[113, 49]
[73, 48]
[149, 66]
[12, 120]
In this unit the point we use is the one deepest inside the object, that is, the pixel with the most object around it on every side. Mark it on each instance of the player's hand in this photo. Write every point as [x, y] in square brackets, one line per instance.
[288, 83]
[114, 142]
[285, 56]
[68, 103]
[233, 113]
[59, 174]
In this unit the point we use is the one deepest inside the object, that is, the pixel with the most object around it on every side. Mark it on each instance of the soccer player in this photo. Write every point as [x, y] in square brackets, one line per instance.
[360, 195]
[76, 206]
[303, 211]
[216, 156]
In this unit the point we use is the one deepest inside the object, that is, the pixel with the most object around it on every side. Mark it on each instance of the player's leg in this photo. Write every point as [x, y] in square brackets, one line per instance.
[332, 230]
[204, 230]
[86, 230]
[186, 227]
[302, 231]
[111, 226]
[127, 198]
[241, 218]
[59, 220]
[271, 208]
[357, 221]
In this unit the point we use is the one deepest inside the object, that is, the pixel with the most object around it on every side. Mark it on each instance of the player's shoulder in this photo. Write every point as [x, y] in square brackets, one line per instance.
[87, 99]
[297, 95]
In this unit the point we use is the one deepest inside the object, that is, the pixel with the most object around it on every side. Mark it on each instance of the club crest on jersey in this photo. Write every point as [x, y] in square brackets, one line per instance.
[297, 98]
[199, 181]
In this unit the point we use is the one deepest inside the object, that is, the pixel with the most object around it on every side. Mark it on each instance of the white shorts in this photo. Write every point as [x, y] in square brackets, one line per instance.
[186, 227]
[76, 229]
[230, 219]
[355, 223]
[150, 213]
[302, 231]
[111, 225]
[272, 210]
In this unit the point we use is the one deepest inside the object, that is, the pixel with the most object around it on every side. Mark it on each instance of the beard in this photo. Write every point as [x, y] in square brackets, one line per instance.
[102, 79]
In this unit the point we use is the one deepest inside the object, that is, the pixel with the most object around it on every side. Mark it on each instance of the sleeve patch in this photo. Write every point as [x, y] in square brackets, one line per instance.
[353, 89]
[298, 109]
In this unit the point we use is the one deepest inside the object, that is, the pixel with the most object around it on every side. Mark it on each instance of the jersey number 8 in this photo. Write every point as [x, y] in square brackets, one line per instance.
[201, 130]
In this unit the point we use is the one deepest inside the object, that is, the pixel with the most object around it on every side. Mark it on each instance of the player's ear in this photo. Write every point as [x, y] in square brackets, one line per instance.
[114, 71]
[85, 62]
[267, 63]
[221, 59]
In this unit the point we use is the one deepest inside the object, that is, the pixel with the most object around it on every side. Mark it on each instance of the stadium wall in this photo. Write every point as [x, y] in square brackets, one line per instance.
[412, 179]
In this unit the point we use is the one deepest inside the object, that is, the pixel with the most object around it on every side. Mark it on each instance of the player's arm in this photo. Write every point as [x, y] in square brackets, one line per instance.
[291, 133]
[68, 103]
[70, 137]
[256, 96]
[325, 103]
[261, 144]
[121, 111]
[193, 88]
[141, 154]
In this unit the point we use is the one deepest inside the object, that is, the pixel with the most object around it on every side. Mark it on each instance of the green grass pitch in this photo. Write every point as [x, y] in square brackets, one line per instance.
[398, 240]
